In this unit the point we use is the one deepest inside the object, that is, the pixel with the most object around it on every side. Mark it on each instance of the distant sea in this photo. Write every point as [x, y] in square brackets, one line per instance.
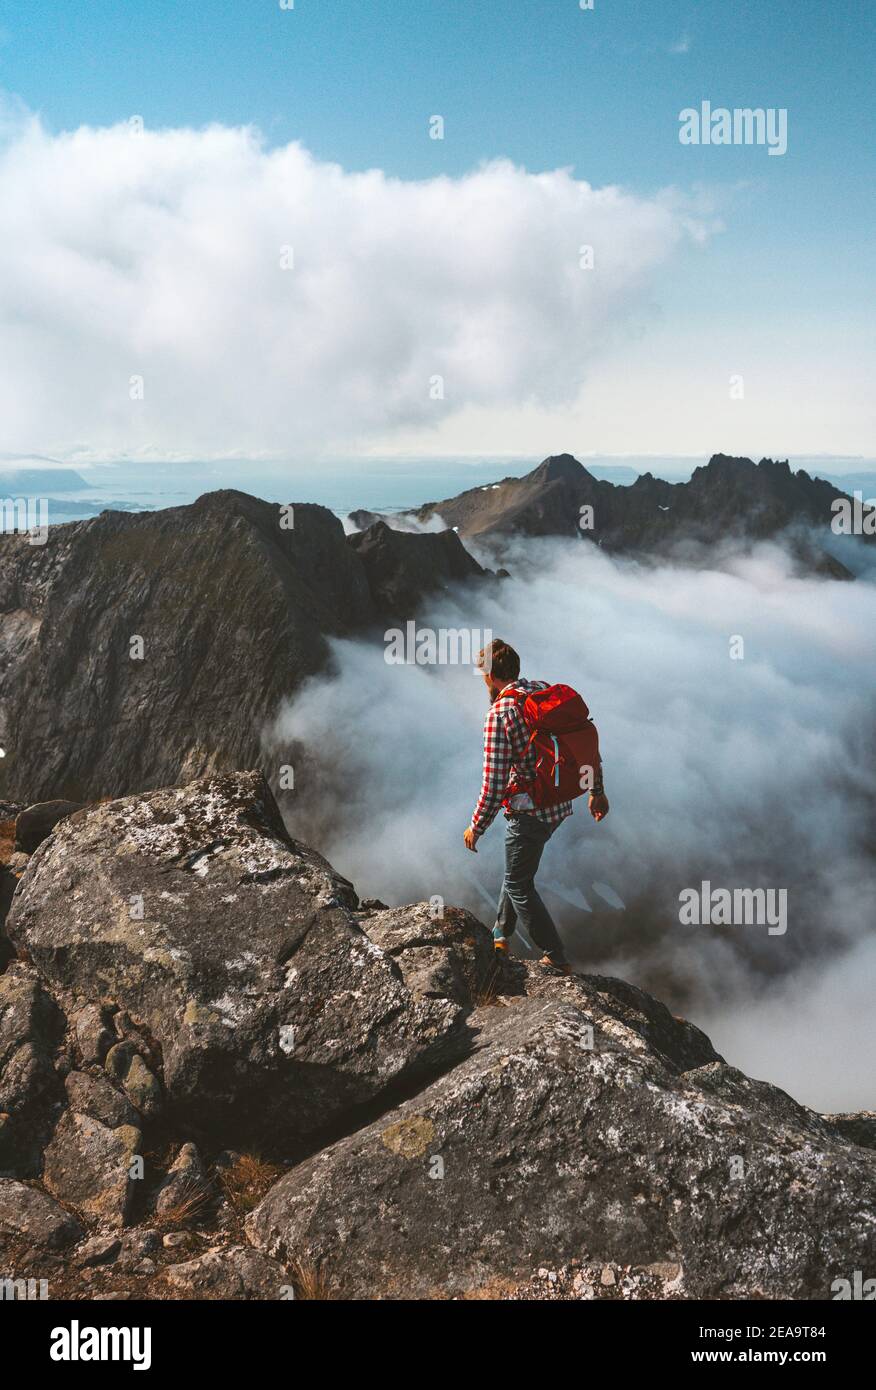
[384, 485]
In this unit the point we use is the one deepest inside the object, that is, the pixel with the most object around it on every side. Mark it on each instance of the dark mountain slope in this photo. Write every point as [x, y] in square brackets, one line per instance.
[403, 566]
[137, 650]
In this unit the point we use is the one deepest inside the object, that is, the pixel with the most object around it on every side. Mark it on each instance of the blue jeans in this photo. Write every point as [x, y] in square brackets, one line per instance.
[519, 902]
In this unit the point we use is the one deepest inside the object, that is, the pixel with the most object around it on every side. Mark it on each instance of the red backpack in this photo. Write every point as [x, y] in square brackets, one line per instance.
[565, 741]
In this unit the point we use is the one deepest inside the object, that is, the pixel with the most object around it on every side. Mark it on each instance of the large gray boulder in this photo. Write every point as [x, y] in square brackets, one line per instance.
[582, 1126]
[238, 952]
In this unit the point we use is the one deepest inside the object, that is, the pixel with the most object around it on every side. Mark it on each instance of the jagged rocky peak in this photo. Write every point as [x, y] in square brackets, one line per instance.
[727, 464]
[559, 468]
[729, 499]
[191, 980]
[730, 466]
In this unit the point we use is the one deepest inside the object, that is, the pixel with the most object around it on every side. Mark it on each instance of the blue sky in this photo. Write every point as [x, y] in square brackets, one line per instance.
[547, 85]
[537, 80]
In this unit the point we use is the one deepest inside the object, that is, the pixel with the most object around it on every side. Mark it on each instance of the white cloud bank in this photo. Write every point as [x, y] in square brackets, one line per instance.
[748, 773]
[158, 255]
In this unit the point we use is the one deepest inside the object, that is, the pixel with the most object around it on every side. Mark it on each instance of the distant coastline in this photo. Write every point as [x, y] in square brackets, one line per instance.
[378, 484]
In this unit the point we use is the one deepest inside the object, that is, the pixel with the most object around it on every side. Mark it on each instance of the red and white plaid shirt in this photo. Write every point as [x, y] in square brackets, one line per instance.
[508, 758]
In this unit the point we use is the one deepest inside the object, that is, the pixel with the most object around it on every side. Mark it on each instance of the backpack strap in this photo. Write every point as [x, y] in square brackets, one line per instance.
[554, 741]
[516, 695]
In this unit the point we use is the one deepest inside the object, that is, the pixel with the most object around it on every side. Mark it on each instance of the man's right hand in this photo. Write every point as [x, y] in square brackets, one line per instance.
[598, 806]
[471, 840]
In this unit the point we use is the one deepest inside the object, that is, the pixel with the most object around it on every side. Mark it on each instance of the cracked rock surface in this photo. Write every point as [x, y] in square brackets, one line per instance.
[238, 950]
[223, 1077]
[566, 1130]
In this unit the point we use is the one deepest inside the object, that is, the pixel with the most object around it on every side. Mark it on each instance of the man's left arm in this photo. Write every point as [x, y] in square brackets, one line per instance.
[597, 803]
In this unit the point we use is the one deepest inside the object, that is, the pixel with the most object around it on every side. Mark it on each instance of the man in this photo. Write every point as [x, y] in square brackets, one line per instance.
[509, 760]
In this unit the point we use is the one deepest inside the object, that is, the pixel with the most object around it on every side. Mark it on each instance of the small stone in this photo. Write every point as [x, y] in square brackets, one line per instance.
[138, 1245]
[124, 1064]
[30, 1214]
[608, 1276]
[667, 1272]
[176, 1240]
[100, 1250]
[142, 1088]
[185, 1184]
[118, 1059]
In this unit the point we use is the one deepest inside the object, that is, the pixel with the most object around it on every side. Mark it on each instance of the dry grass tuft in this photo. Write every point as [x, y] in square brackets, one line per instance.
[247, 1180]
[486, 992]
[195, 1198]
[310, 1281]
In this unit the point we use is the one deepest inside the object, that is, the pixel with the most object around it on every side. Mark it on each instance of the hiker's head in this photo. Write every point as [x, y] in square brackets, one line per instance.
[499, 664]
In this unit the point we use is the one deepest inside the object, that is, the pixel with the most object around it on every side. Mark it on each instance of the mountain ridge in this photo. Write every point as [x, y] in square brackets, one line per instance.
[728, 497]
[139, 649]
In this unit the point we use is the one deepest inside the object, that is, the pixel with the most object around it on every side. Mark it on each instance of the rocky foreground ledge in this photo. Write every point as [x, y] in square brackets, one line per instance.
[221, 1076]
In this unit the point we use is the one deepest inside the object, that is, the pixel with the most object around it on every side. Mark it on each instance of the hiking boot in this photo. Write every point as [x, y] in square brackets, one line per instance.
[555, 967]
[500, 946]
